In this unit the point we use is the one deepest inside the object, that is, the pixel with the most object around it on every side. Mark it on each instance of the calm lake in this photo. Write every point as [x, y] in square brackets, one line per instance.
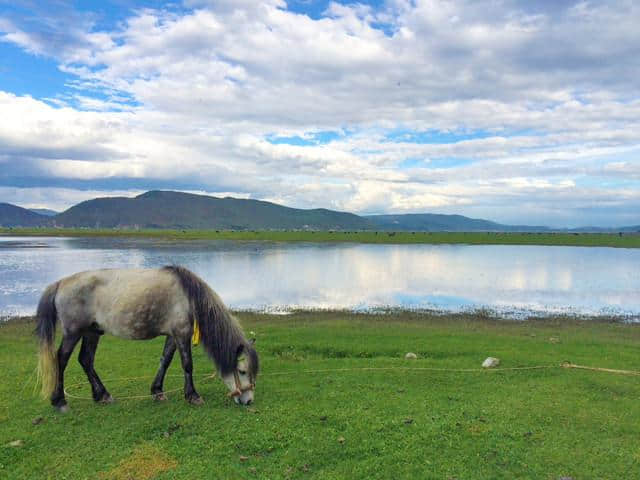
[511, 280]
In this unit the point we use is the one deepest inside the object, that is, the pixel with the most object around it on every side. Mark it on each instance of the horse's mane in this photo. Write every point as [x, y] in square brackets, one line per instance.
[221, 334]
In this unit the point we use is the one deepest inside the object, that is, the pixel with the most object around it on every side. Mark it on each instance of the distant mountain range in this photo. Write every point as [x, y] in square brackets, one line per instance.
[44, 211]
[433, 222]
[177, 210]
[14, 216]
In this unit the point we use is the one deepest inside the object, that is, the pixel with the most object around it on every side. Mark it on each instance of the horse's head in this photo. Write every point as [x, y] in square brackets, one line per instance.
[242, 381]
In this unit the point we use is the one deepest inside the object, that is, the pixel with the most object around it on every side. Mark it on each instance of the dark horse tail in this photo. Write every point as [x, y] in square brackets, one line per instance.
[47, 317]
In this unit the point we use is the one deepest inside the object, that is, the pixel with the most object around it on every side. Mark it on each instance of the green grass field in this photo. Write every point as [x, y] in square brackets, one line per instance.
[341, 421]
[626, 240]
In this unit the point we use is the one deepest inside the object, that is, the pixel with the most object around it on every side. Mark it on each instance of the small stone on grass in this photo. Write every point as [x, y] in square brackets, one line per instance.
[37, 420]
[491, 362]
[16, 443]
[410, 356]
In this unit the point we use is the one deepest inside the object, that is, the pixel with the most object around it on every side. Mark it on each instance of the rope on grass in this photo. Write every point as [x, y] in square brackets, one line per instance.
[600, 369]
[428, 369]
[567, 365]
[127, 379]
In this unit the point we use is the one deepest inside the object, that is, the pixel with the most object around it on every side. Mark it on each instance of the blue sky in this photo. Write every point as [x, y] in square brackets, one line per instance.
[513, 111]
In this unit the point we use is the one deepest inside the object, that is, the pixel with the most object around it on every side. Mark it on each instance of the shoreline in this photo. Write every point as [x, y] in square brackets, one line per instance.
[615, 240]
[479, 316]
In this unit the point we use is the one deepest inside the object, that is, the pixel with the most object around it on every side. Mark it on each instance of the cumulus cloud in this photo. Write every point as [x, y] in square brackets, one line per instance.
[534, 106]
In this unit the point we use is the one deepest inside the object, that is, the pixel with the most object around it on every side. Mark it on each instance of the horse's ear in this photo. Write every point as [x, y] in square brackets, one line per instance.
[252, 341]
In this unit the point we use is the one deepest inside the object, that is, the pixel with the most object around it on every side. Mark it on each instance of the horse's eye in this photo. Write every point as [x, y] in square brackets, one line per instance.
[242, 372]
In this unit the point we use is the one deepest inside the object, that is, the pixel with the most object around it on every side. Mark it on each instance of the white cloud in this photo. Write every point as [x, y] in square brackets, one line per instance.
[546, 93]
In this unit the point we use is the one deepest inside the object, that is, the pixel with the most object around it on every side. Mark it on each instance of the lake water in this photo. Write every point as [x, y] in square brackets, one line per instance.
[512, 280]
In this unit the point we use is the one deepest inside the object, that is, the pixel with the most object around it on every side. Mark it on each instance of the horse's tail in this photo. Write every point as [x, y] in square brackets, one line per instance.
[47, 316]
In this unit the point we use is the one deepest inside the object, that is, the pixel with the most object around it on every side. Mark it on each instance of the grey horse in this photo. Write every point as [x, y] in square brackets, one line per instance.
[140, 305]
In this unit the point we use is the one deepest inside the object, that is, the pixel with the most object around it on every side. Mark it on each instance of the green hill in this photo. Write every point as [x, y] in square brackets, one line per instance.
[431, 222]
[44, 211]
[14, 216]
[177, 210]
[165, 209]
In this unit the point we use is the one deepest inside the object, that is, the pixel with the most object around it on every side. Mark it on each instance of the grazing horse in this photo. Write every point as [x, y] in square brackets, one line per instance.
[140, 305]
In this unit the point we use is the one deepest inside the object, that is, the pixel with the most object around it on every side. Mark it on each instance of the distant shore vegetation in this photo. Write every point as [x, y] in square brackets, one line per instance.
[621, 240]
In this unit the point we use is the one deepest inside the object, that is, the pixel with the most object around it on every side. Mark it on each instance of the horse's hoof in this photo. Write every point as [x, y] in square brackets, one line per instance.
[159, 397]
[63, 408]
[196, 401]
[106, 399]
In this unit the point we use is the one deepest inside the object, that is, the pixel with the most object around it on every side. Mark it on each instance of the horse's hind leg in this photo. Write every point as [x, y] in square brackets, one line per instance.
[184, 347]
[86, 357]
[165, 361]
[69, 341]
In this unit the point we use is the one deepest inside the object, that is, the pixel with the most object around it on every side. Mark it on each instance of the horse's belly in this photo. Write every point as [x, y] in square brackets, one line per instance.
[141, 322]
[131, 327]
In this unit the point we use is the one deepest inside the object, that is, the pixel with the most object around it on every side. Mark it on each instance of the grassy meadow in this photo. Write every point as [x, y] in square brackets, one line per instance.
[625, 240]
[318, 414]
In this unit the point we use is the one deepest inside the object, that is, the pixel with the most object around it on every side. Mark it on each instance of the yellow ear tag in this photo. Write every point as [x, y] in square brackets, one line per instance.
[195, 338]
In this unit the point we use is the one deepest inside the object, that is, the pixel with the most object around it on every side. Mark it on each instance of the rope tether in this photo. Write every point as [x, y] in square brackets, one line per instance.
[599, 369]
[567, 365]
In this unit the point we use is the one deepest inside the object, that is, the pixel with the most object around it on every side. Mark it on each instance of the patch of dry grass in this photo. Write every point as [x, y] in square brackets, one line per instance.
[145, 462]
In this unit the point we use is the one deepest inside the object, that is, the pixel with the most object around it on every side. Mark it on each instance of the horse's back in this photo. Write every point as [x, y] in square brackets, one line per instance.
[129, 303]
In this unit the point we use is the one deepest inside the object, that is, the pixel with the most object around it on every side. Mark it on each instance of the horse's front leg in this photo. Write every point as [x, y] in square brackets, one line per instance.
[69, 341]
[165, 361]
[184, 347]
